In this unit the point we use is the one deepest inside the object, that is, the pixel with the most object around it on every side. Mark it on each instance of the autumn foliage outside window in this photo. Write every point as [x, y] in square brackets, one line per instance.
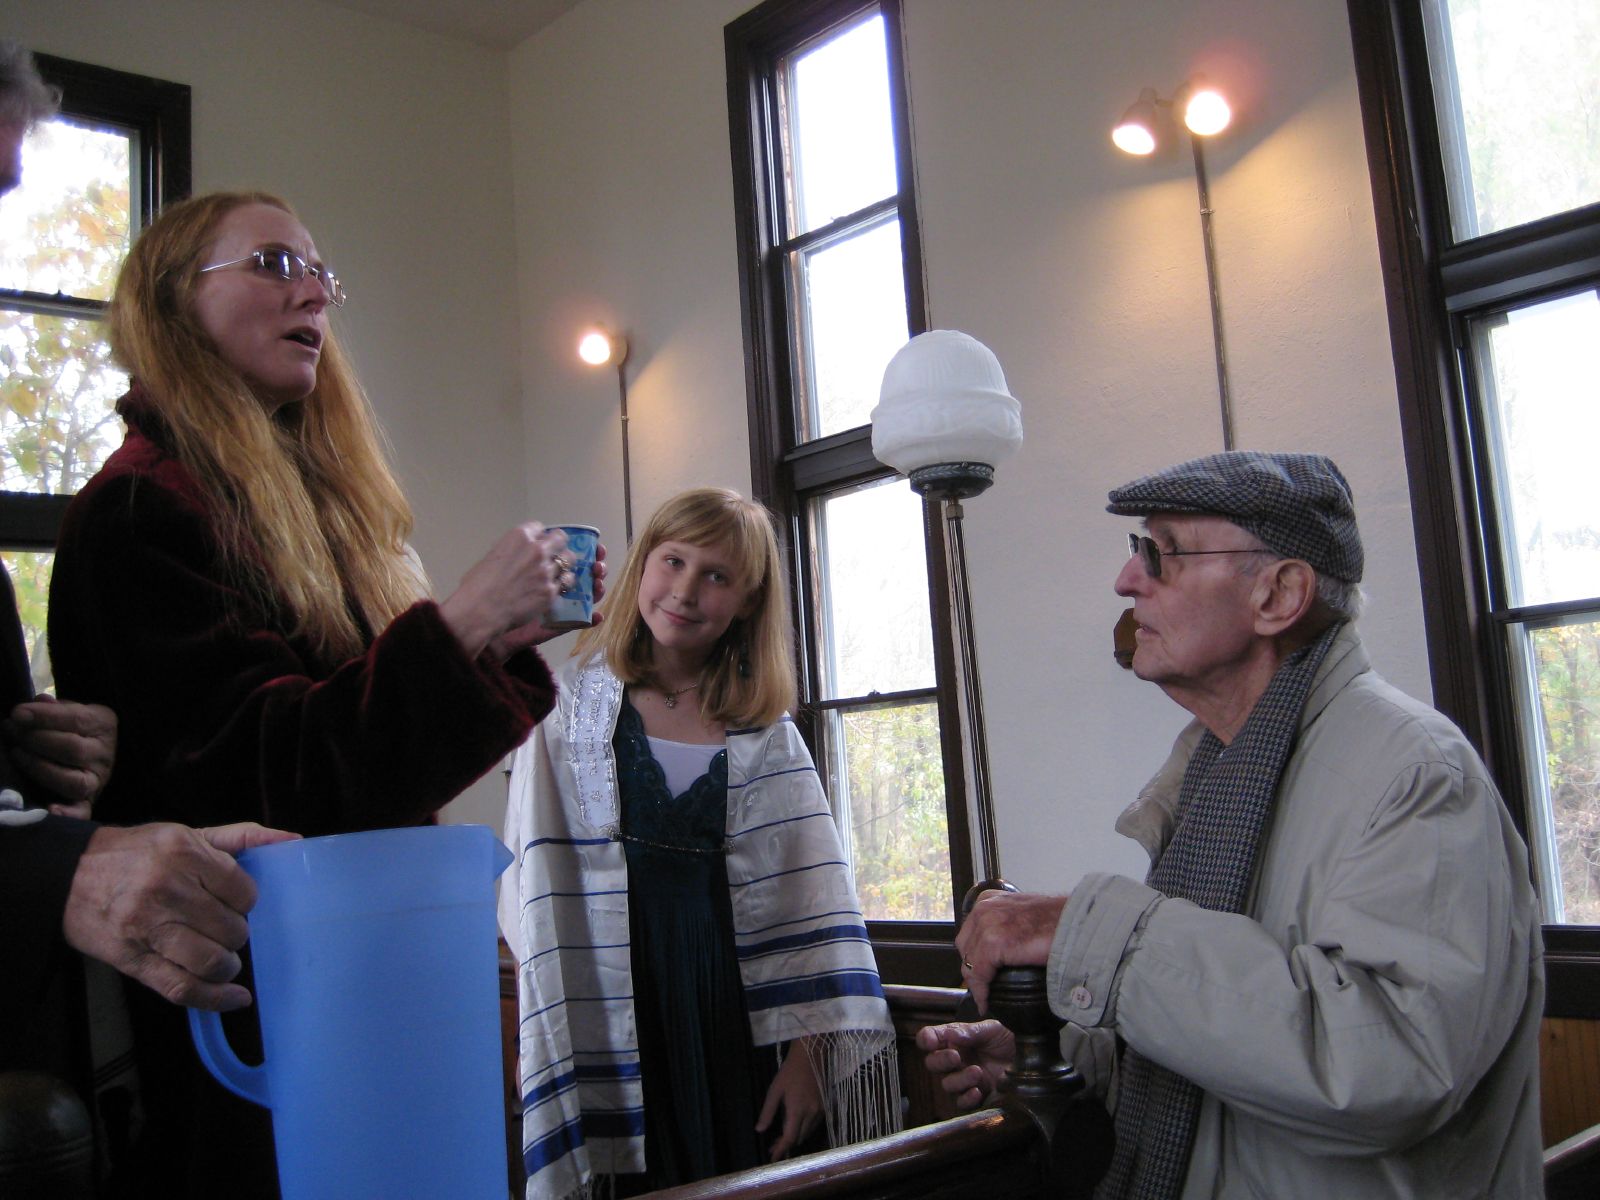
[1515, 87]
[63, 235]
[91, 177]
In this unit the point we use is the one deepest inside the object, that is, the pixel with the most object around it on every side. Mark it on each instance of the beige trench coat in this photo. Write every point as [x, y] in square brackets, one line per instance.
[1370, 1027]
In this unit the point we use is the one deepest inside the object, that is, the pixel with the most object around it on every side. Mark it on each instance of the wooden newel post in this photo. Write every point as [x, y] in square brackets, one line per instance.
[1076, 1127]
[1040, 1081]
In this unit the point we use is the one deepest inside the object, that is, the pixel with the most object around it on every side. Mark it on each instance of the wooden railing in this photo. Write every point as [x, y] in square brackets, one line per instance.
[1047, 1138]
[996, 1152]
[1572, 1167]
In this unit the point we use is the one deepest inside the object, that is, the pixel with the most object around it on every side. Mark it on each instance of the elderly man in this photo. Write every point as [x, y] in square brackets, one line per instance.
[1329, 984]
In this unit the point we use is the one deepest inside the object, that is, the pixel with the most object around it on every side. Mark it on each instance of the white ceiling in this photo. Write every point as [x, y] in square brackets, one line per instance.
[501, 23]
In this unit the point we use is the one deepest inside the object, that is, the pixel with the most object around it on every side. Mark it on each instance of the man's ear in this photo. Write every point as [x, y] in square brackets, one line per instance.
[1285, 592]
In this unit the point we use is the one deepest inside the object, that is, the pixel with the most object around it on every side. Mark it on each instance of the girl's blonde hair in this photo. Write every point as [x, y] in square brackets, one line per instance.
[749, 678]
[308, 512]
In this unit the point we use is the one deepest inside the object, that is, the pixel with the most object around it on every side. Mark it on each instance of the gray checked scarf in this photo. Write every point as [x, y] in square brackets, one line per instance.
[1224, 807]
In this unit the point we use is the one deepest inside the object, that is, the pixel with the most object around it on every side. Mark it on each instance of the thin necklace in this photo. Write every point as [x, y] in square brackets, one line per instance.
[670, 699]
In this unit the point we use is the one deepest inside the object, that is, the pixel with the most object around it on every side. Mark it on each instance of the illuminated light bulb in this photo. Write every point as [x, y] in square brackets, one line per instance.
[1133, 138]
[1207, 112]
[595, 348]
[1136, 132]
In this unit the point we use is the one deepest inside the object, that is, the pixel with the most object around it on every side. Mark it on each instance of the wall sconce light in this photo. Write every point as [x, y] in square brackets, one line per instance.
[1136, 132]
[597, 347]
[1206, 112]
[944, 418]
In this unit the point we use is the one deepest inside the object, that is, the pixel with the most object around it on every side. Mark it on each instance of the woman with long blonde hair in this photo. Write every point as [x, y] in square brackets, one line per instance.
[680, 874]
[236, 584]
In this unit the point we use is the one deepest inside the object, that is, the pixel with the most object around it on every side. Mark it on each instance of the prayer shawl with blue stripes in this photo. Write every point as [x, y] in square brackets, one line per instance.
[807, 968]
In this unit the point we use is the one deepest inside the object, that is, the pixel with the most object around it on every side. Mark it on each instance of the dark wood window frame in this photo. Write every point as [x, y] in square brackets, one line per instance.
[158, 112]
[1431, 283]
[786, 472]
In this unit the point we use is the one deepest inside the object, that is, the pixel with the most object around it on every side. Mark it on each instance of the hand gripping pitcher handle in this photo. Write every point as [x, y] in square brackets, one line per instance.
[212, 1044]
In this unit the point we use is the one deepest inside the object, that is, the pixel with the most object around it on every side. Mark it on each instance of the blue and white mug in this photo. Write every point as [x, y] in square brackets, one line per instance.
[574, 608]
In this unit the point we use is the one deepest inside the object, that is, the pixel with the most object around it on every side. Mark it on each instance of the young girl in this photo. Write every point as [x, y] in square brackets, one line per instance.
[681, 913]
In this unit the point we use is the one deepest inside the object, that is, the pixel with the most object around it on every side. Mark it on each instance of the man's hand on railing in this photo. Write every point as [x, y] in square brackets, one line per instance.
[968, 1060]
[1004, 929]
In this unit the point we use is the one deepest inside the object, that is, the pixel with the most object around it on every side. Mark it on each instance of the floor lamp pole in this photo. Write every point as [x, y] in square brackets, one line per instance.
[627, 476]
[1209, 242]
[972, 687]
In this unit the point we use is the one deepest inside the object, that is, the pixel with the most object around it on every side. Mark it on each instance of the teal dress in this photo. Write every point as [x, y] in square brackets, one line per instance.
[704, 1082]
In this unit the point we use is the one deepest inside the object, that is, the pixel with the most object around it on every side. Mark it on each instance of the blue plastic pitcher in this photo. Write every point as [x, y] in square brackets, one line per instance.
[377, 985]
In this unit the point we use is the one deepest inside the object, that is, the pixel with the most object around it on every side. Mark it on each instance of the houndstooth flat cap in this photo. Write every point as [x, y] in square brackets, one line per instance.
[1298, 504]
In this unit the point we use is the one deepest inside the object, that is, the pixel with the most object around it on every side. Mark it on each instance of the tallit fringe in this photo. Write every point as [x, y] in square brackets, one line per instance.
[599, 1187]
[860, 1075]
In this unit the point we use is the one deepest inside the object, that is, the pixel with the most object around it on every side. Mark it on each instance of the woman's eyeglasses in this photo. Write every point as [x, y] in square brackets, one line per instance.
[289, 267]
[1150, 554]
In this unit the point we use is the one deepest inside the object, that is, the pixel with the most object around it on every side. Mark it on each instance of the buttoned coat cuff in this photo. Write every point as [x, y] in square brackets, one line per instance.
[1098, 930]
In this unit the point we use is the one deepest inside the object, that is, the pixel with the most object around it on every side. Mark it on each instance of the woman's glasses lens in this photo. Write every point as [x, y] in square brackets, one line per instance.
[281, 263]
[294, 268]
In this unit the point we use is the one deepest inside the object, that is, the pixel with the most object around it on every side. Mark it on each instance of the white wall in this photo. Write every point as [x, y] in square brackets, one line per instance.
[484, 205]
[1081, 268]
[625, 216]
[392, 145]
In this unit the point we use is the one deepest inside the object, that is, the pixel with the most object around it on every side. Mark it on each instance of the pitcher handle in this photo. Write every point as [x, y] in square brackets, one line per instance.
[212, 1044]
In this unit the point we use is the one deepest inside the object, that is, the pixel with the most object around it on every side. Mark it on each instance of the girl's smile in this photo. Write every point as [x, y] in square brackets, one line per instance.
[688, 597]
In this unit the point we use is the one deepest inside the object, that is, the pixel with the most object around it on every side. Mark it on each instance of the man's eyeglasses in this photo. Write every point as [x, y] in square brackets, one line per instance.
[1150, 554]
[289, 267]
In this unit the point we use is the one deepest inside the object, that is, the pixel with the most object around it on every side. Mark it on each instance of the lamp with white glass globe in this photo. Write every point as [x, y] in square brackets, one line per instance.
[945, 419]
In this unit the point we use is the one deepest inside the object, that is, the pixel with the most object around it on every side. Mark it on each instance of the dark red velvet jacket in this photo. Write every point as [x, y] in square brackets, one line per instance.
[225, 717]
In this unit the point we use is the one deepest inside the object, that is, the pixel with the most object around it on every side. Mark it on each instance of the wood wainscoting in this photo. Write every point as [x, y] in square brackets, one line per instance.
[1569, 1077]
[911, 1008]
